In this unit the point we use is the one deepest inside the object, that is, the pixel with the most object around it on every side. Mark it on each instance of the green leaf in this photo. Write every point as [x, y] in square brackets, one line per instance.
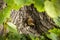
[13, 36]
[39, 4]
[42, 37]
[9, 3]
[2, 37]
[16, 7]
[57, 21]
[23, 2]
[1, 17]
[55, 31]
[4, 13]
[32, 36]
[57, 10]
[57, 6]
[51, 9]
[11, 27]
[52, 36]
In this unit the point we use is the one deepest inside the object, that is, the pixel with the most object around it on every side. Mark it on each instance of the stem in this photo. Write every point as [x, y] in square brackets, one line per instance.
[5, 27]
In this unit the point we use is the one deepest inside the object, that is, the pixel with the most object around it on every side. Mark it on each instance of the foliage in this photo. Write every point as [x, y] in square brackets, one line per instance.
[54, 34]
[11, 27]
[39, 4]
[17, 36]
[2, 37]
[53, 10]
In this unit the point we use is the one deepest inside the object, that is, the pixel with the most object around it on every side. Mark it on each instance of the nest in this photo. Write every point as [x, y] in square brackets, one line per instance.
[42, 22]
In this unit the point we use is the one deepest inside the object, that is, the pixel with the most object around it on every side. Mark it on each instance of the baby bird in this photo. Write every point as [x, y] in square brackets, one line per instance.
[30, 21]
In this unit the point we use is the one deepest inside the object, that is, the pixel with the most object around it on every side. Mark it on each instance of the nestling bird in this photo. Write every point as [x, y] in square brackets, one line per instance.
[30, 21]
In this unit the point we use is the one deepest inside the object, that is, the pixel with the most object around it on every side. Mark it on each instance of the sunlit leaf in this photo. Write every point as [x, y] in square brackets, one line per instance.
[11, 27]
[55, 30]
[50, 9]
[57, 21]
[32, 36]
[23, 2]
[5, 13]
[39, 4]
[52, 36]
[9, 3]
[57, 6]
